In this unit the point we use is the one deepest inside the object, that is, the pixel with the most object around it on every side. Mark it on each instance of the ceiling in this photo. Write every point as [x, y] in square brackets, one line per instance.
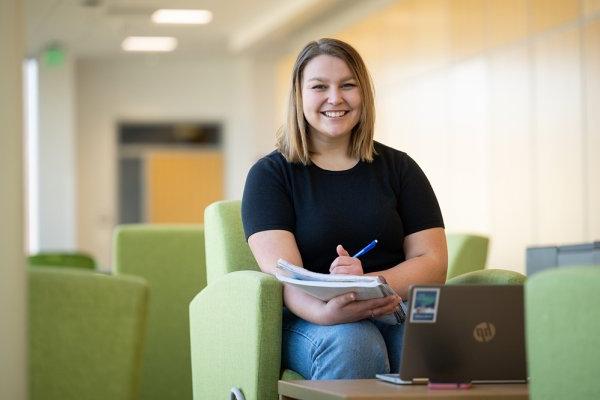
[96, 28]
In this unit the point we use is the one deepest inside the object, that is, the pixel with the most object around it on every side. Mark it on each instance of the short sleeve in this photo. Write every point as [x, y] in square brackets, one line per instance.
[417, 204]
[266, 202]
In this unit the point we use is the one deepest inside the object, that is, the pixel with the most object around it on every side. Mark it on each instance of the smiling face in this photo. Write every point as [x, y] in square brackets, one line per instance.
[331, 99]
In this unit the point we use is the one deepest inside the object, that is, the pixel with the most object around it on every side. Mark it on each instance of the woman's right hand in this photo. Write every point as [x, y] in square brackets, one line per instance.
[345, 308]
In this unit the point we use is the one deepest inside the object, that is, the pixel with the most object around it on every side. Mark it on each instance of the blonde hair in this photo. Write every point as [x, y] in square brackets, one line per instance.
[292, 137]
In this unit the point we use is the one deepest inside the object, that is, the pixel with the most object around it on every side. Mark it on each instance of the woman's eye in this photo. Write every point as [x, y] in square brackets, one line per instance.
[319, 87]
[349, 85]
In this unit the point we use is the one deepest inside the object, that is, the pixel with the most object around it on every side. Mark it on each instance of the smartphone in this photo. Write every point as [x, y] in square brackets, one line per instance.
[393, 378]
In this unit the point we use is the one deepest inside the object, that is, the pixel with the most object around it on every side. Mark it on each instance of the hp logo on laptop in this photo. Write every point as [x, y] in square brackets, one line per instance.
[484, 332]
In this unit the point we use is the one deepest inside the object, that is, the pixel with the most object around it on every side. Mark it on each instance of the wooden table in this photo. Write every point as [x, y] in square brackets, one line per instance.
[373, 389]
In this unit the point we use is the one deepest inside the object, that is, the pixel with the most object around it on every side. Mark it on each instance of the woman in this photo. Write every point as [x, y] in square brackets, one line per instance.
[328, 190]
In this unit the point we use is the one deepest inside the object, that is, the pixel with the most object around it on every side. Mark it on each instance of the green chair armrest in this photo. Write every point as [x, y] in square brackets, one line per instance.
[289, 375]
[235, 328]
[62, 259]
[490, 276]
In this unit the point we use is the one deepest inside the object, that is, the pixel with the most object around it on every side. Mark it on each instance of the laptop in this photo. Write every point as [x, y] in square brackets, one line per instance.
[462, 334]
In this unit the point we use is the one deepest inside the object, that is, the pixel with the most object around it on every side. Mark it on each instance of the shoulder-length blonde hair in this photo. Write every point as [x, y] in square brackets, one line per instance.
[292, 138]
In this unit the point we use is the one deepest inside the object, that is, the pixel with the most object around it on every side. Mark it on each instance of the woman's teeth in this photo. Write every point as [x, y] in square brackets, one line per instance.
[334, 114]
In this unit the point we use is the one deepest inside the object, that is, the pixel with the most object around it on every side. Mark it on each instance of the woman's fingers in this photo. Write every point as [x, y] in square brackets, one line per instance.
[373, 304]
[342, 261]
[341, 251]
[344, 299]
[341, 270]
[384, 310]
[346, 308]
[387, 308]
[346, 265]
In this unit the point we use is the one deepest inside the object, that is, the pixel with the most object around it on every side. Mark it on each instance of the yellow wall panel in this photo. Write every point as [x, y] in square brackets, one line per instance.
[591, 6]
[592, 96]
[424, 32]
[395, 34]
[467, 27]
[282, 88]
[546, 14]
[181, 184]
[404, 39]
[368, 37]
[506, 21]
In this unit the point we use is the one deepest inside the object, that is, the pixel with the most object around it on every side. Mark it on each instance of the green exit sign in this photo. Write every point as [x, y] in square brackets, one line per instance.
[54, 56]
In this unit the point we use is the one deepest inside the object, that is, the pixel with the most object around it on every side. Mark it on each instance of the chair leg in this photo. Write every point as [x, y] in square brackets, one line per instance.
[236, 394]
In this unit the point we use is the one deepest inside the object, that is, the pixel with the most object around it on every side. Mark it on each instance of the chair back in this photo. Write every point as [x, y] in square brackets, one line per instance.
[226, 246]
[62, 259]
[562, 325]
[171, 259]
[466, 253]
[489, 276]
[85, 335]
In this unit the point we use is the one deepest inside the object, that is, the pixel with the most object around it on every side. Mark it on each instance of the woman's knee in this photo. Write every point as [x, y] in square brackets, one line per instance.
[351, 351]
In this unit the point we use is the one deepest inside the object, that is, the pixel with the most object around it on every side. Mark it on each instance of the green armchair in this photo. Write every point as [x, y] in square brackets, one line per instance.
[171, 259]
[85, 335]
[235, 321]
[466, 253]
[562, 325]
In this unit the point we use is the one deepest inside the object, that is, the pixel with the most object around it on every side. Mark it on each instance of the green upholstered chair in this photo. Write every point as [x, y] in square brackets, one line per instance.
[562, 325]
[489, 276]
[466, 253]
[236, 320]
[62, 259]
[85, 335]
[171, 259]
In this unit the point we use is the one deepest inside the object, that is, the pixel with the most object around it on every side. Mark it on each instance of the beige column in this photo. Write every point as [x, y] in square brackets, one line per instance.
[13, 289]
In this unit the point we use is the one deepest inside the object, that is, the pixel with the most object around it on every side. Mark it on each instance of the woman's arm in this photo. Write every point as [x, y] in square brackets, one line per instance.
[269, 246]
[426, 262]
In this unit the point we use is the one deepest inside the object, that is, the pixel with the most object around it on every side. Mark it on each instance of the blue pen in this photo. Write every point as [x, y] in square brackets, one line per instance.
[366, 249]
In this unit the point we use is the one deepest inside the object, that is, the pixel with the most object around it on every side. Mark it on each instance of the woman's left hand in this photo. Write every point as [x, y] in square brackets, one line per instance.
[344, 264]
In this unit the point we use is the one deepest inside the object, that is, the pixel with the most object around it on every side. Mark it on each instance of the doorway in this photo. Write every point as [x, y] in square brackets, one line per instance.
[169, 171]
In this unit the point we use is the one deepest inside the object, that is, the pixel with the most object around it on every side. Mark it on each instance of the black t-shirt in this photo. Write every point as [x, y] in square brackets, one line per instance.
[386, 200]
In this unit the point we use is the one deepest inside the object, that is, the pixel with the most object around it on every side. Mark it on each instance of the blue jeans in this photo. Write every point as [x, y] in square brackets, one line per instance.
[356, 350]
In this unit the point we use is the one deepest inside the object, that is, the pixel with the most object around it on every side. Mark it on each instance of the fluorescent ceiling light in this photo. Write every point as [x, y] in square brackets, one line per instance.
[167, 16]
[149, 43]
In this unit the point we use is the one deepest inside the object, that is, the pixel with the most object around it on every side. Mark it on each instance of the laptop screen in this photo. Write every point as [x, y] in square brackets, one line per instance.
[464, 333]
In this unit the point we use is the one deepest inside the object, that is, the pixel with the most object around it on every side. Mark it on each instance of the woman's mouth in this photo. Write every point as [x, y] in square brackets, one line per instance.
[334, 114]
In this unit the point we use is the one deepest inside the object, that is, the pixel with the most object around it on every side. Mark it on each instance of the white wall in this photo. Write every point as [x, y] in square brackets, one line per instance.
[13, 283]
[256, 117]
[235, 92]
[56, 157]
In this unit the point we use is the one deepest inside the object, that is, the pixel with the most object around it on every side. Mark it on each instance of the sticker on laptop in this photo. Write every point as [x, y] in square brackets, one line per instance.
[424, 305]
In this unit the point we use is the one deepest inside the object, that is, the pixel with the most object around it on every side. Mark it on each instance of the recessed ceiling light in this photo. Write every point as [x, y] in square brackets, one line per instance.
[168, 16]
[149, 43]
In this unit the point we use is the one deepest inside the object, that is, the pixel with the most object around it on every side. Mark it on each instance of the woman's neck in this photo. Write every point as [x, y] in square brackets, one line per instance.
[332, 155]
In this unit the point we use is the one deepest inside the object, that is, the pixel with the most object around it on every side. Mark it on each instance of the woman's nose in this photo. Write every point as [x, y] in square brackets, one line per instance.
[335, 96]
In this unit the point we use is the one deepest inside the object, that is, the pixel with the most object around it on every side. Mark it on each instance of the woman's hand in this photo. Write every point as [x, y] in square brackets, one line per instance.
[344, 264]
[345, 308]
